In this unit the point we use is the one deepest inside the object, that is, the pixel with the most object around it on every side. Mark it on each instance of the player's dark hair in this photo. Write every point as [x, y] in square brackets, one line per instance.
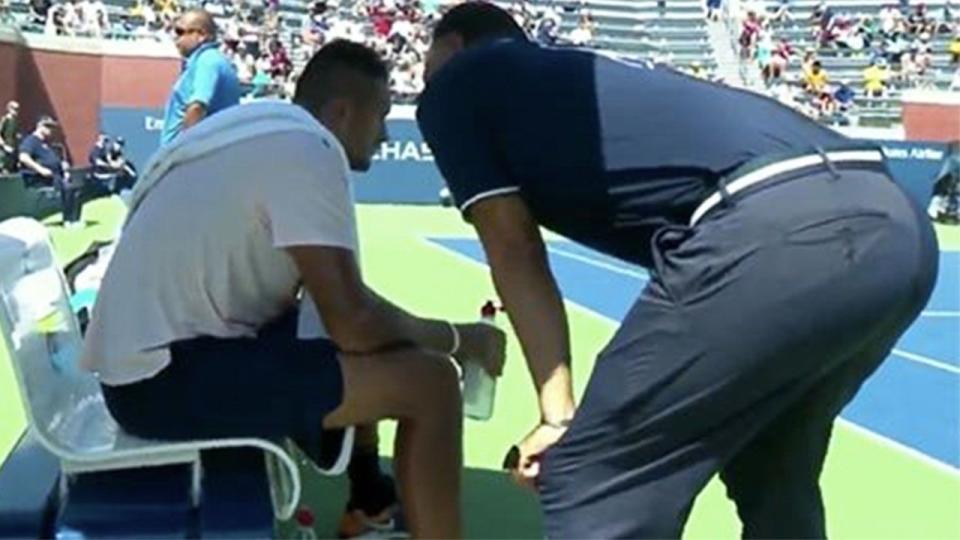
[339, 69]
[476, 22]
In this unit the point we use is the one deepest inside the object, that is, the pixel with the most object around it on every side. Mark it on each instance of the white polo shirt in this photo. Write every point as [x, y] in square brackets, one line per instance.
[203, 254]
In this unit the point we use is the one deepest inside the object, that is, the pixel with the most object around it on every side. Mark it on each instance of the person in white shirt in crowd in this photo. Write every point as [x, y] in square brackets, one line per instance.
[195, 329]
[88, 18]
[889, 16]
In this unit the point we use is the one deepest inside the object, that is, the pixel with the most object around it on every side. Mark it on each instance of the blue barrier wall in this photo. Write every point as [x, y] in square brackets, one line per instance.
[915, 166]
[404, 172]
[140, 127]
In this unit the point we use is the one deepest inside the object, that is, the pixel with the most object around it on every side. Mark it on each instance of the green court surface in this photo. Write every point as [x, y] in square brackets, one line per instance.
[872, 490]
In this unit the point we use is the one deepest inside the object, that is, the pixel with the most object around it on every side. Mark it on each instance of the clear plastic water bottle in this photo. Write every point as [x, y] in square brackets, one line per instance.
[479, 387]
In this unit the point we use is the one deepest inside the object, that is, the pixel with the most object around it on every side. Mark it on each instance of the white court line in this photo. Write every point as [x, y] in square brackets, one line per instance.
[906, 355]
[927, 361]
[899, 446]
[598, 264]
[940, 314]
[866, 432]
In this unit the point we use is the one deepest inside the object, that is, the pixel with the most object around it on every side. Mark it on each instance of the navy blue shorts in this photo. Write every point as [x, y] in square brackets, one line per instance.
[270, 386]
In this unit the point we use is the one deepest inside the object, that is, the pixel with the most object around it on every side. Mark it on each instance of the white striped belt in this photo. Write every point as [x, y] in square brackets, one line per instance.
[772, 170]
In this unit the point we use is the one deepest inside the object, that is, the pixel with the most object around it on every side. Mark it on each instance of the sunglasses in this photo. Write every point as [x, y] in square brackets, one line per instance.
[179, 31]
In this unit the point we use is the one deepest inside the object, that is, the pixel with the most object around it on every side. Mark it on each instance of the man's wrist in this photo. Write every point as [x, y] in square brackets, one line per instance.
[556, 397]
[556, 424]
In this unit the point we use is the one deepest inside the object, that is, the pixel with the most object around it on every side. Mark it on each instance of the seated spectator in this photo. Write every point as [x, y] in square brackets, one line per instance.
[815, 80]
[42, 166]
[781, 12]
[89, 19]
[888, 19]
[109, 169]
[697, 70]
[56, 23]
[547, 31]
[920, 22]
[826, 105]
[910, 70]
[875, 79]
[143, 10]
[764, 55]
[779, 61]
[809, 57]
[280, 63]
[946, 23]
[945, 203]
[896, 46]
[713, 9]
[847, 34]
[39, 11]
[955, 82]
[749, 33]
[118, 159]
[583, 34]
[954, 49]
[844, 96]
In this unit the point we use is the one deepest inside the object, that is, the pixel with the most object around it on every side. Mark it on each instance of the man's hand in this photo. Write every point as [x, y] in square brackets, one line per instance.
[525, 469]
[484, 344]
[45, 172]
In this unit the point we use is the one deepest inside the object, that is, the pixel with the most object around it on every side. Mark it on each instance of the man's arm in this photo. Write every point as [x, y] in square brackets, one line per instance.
[522, 276]
[195, 112]
[205, 82]
[4, 128]
[359, 321]
[25, 159]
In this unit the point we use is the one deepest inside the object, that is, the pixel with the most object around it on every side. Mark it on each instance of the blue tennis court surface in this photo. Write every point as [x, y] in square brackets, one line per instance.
[913, 399]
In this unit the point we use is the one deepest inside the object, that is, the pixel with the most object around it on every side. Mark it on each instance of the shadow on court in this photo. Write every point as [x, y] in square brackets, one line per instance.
[493, 506]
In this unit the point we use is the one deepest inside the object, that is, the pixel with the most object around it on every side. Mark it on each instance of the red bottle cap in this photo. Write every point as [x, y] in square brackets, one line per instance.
[305, 517]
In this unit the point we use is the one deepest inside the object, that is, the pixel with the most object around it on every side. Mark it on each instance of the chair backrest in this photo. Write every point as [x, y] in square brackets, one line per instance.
[64, 404]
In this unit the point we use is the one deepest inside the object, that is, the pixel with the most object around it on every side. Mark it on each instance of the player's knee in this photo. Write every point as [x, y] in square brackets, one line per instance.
[435, 387]
[443, 385]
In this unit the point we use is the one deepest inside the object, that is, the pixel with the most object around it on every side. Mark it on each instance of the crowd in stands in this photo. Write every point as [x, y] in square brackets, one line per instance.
[897, 43]
[896, 46]
[266, 52]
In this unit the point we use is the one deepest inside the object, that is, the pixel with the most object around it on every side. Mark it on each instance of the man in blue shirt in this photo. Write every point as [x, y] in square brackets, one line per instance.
[784, 264]
[41, 165]
[208, 82]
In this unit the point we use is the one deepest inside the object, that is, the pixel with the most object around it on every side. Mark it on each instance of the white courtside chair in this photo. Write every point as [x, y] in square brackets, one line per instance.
[65, 408]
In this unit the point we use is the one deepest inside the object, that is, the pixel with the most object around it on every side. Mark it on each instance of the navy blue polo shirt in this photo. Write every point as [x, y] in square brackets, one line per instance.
[41, 152]
[602, 150]
[98, 153]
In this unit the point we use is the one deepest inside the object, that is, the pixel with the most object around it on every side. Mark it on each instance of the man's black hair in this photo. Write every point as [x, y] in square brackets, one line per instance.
[339, 69]
[477, 22]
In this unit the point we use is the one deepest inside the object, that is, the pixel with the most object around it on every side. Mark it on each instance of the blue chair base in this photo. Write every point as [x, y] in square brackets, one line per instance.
[138, 503]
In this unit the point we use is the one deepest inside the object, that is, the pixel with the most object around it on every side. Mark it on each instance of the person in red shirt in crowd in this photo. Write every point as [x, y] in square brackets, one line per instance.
[779, 60]
[749, 33]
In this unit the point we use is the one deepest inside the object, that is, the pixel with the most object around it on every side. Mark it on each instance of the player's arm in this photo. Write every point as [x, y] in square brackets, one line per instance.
[308, 209]
[522, 277]
[360, 321]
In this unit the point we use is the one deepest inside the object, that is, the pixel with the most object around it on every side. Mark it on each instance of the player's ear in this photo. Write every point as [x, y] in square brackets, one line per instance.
[336, 112]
